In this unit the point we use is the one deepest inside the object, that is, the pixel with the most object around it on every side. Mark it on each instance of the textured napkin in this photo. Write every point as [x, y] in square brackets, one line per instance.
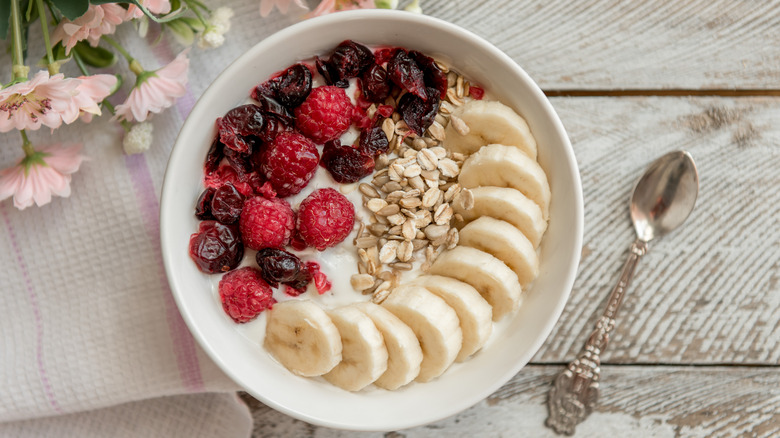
[87, 319]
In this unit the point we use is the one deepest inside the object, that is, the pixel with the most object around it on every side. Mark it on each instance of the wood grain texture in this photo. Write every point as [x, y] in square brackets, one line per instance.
[709, 292]
[636, 401]
[619, 44]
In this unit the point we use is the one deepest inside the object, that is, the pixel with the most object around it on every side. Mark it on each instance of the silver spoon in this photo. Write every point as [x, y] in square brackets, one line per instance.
[662, 199]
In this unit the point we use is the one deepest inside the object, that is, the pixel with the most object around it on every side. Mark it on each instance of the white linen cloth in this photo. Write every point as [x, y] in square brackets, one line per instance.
[87, 319]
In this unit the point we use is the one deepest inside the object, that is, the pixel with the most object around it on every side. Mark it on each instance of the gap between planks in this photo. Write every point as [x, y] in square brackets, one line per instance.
[663, 93]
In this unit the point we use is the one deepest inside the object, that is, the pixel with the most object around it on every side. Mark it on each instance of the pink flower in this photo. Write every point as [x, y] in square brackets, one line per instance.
[154, 6]
[328, 6]
[266, 6]
[99, 20]
[52, 100]
[35, 178]
[44, 100]
[91, 91]
[156, 90]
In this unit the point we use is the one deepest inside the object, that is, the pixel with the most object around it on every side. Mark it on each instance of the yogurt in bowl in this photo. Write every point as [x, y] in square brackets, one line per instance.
[237, 351]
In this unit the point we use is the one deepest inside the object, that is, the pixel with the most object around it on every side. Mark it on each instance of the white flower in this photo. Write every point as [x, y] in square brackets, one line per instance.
[211, 38]
[221, 18]
[138, 139]
[218, 25]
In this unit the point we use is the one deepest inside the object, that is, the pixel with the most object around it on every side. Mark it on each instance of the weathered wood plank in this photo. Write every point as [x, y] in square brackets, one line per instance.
[609, 44]
[639, 400]
[708, 293]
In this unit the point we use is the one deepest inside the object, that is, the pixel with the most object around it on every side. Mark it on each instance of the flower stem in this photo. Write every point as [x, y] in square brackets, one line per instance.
[117, 46]
[52, 66]
[194, 6]
[19, 69]
[26, 144]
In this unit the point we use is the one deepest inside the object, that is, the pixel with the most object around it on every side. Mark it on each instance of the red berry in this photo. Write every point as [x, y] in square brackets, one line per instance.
[345, 163]
[476, 92]
[325, 218]
[289, 163]
[240, 122]
[373, 141]
[321, 281]
[245, 294]
[216, 247]
[226, 204]
[266, 223]
[375, 84]
[405, 73]
[325, 114]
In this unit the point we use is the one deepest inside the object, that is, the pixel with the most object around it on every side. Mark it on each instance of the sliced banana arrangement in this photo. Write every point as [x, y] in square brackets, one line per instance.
[445, 313]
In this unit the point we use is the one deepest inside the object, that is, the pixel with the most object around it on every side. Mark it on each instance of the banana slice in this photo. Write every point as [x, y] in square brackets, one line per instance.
[504, 242]
[474, 313]
[363, 356]
[496, 283]
[301, 336]
[508, 205]
[506, 166]
[489, 122]
[434, 323]
[404, 354]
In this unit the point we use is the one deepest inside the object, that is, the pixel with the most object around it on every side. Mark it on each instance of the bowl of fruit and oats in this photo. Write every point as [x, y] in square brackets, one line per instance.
[372, 220]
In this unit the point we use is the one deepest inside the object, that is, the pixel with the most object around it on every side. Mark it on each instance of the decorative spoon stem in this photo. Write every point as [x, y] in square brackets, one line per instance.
[576, 389]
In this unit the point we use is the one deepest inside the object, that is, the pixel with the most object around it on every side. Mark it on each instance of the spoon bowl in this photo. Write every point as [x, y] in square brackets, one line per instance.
[665, 195]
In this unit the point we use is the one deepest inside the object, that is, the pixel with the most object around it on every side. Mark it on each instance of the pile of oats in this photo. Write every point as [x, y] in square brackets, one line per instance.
[411, 197]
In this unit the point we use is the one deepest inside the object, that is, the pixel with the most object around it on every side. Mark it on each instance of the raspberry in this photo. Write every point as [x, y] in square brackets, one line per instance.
[289, 163]
[266, 223]
[325, 218]
[325, 114]
[245, 294]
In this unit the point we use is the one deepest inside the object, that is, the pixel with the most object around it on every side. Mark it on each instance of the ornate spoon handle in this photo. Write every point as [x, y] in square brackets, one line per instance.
[575, 391]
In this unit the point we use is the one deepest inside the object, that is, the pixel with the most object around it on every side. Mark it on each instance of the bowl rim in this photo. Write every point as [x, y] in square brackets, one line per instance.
[328, 20]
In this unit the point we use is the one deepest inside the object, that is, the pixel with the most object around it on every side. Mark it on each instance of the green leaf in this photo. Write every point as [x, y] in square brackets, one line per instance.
[71, 9]
[5, 18]
[95, 56]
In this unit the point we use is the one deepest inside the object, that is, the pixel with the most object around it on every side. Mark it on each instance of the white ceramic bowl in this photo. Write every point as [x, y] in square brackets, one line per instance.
[463, 385]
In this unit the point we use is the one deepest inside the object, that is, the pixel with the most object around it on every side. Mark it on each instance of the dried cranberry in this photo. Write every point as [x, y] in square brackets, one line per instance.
[350, 59]
[269, 105]
[246, 184]
[432, 74]
[214, 156]
[242, 121]
[278, 265]
[405, 73]
[203, 206]
[274, 126]
[345, 163]
[418, 113]
[375, 84]
[298, 285]
[385, 110]
[226, 204]
[476, 92]
[373, 141]
[329, 73]
[347, 61]
[290, 88]
[216, 247]
[241, 163]
[383, 55]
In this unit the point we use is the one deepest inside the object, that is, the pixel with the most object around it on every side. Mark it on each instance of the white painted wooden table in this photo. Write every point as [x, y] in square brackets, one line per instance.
[697, 348]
